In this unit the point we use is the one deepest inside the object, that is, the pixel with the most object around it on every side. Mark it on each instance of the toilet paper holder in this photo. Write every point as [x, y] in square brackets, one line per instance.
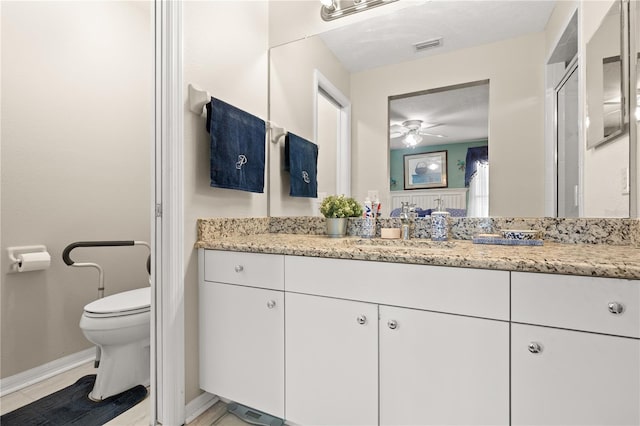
[17, 251]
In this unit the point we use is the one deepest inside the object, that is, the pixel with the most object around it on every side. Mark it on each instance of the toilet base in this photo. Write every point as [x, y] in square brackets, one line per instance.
[115, 377]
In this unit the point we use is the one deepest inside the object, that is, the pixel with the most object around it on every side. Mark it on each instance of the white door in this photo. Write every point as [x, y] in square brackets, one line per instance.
[331, 361]
[562, 377]
[441, 369]
[242, 345]
[568, 144]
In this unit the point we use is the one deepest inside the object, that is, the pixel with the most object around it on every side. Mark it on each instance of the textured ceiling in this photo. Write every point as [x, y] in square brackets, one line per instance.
[389, 39]
[461, 114]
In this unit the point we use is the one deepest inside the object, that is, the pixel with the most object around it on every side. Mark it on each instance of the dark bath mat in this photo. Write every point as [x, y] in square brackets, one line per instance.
[72, 406]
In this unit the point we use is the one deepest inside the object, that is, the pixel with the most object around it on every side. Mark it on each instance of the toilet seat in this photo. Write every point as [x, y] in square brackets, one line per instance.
[126, 303]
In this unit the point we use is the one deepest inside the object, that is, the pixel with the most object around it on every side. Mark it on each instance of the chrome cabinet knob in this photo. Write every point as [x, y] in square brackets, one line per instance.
[362, 320]
[271, 304]
[239, 268]
[392, 324]
[616, 308]
[534, 347]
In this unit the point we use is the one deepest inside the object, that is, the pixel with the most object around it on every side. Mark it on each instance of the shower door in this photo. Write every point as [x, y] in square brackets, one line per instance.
[567, 144]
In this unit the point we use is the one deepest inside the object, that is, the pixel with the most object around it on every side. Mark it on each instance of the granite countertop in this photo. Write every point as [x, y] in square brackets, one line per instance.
[574, 259]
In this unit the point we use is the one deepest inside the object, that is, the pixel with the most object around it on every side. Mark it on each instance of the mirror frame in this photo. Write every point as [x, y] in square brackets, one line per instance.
[633, 18]
[623, 55]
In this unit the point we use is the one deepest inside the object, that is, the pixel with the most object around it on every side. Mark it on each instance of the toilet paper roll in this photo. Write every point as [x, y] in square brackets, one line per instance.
[33, 261]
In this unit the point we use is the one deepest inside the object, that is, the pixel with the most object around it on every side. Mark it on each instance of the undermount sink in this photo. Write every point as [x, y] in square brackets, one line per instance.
[419, 243]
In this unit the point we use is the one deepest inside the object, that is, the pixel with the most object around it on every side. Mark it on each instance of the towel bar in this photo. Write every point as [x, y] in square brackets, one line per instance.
[198, 98]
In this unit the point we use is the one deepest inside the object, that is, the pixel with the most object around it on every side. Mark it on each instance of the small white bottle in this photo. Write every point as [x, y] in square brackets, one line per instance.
[368, 222]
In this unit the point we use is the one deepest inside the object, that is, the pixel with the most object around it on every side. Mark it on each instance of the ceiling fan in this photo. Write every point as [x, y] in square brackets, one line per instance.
[412, 131]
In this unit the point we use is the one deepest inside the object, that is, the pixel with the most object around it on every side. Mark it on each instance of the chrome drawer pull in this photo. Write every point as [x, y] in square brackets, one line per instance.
[392, 324]
[271, 304]
[362, 320]
[616, 308]
[239, 268]
[535, 347]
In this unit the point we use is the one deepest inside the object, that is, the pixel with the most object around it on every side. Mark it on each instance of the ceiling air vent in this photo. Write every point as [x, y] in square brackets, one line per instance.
[429, 44]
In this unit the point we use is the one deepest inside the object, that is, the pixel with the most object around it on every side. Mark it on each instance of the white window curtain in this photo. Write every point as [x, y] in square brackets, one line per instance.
[479, 192]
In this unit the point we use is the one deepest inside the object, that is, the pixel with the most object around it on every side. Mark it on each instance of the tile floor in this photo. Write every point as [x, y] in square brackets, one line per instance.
[136, 416]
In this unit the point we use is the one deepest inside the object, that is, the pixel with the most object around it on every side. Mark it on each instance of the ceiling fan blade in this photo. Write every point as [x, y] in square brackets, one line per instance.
[396, 131]
[437, 135]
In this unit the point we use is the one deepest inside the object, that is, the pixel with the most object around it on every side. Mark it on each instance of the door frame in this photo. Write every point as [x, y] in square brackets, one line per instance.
[167, 233]
[569, 71]
[343, 148]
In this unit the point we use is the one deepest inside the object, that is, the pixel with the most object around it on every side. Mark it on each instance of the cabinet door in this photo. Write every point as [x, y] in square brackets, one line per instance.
[441, 369]
[331, 361]
[562, 377]
[242, 345]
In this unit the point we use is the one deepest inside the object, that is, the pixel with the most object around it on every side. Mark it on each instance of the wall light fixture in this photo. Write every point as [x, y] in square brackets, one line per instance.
[334, 9]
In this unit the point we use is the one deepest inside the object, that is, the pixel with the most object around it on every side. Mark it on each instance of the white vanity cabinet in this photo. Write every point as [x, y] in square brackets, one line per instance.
[331, 361]
[322, 341]
[433, 367]
[575, 352]
[241, 322]
[438, 369]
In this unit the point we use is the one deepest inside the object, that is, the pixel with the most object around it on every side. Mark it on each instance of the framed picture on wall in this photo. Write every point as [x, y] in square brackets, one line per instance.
[425, 170]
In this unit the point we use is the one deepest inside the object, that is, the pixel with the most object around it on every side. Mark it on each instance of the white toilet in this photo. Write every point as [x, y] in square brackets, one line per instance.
[120, 326]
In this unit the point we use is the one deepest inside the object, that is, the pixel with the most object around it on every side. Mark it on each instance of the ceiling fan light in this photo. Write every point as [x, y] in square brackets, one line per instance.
[412, 139]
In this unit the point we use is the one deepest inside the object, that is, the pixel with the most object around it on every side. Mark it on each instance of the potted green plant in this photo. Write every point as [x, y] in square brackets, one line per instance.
[336, 209]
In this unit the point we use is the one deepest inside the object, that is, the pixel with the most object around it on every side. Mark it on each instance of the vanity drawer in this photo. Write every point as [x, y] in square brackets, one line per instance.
[475, 292]
[249, 269]
[578, 303]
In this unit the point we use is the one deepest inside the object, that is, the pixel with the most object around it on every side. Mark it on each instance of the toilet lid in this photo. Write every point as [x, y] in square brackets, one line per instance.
[125, 303]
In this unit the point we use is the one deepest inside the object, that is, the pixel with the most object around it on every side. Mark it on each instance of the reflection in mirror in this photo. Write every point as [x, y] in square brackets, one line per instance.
[634, 176]
[568, 144]
[605, 103]
[564, 149]
[606, 166]
[453, 120]
[370, 60]
[310, 100]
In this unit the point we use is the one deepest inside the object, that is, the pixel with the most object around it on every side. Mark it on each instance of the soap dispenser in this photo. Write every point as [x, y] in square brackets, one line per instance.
[439, 222]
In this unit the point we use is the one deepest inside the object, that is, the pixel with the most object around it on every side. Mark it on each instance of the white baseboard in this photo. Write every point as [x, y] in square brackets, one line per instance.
[199, 405]
[26, 378]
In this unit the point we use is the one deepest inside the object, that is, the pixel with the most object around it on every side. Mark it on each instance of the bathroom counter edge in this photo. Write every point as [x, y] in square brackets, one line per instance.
[571, 259]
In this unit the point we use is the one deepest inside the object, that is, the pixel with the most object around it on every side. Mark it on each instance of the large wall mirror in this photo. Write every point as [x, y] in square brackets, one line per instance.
[373, 63]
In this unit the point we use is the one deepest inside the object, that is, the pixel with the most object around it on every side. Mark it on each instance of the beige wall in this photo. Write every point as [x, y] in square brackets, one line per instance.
[77, 105]
[225, 52]
[516, 104]
[292, 104]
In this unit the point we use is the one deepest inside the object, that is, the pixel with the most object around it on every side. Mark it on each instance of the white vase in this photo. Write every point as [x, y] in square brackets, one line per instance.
[336, 227]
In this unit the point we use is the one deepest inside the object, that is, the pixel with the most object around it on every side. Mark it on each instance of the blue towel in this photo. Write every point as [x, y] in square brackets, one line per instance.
[237, 147]
[301, 161]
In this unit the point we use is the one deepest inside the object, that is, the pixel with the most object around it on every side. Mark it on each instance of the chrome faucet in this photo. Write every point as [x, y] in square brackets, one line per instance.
[407, 217]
